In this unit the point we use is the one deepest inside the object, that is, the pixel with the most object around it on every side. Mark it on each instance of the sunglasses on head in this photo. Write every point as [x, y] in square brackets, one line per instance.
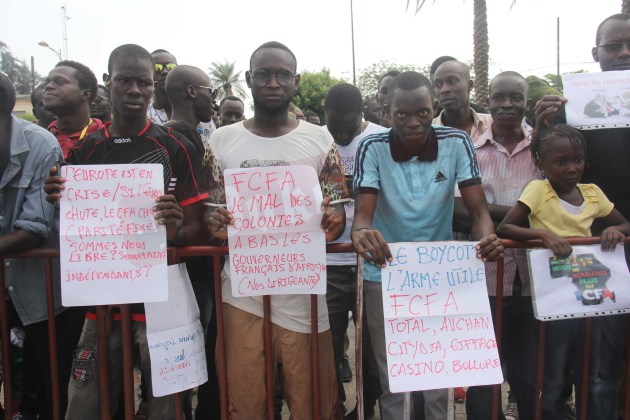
[614, 47]
[263, 77]
[160, 67]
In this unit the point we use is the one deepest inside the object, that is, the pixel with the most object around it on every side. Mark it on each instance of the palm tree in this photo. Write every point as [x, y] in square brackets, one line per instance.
[226, 80]
[481, 46]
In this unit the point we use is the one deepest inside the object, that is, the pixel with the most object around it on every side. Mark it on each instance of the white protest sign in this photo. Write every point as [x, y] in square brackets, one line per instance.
[438, 327]
[176, 338]
[597, 100]
[276, 243]
[112, 251]
[590, 282]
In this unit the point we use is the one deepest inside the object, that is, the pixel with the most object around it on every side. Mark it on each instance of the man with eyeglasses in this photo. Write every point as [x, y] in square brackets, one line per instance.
[607, 167]
[272, 138]
[101, 107]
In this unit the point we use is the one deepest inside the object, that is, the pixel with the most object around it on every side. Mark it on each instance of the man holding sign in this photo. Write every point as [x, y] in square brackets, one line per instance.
[131, 138]
[271, 139]
[404, 187]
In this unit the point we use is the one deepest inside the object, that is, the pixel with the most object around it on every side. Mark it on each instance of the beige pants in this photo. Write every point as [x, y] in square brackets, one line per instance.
[246, 368]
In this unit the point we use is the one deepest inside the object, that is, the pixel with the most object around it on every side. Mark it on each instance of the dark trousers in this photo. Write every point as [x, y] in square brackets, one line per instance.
[341, 297]
[69, 325]
[519, 346]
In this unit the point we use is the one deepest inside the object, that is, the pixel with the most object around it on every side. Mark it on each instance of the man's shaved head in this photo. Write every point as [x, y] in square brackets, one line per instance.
[454, 66]
[181, 77]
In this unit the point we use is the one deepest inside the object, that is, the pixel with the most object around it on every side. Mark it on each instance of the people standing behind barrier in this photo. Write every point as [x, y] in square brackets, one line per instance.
[130, 69]
[44, 117]
[190, 93]
[27, 152]
[452, 85]
[343, 107]
[69, 90]
[559, 207]
[272, 138]
[607, 167]
[504, 157]
[102, 105]
[231, 110]
[396, 187]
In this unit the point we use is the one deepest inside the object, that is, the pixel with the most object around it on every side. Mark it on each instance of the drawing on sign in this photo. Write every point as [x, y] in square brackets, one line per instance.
[588, 274]
[590, 282]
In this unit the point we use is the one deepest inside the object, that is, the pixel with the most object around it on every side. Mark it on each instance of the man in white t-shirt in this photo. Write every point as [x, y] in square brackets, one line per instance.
[271, 138]
[343, 107]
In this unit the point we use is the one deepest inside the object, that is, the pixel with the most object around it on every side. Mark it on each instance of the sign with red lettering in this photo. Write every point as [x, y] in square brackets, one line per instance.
[112, 251]
[590, 282]
[276, 242]
[438, 327]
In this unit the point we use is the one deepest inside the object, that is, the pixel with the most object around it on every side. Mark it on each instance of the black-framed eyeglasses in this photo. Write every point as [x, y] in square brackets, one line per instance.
[159, 67]
[263, 77]
[213, 92]
[100, 98]
[614, 47]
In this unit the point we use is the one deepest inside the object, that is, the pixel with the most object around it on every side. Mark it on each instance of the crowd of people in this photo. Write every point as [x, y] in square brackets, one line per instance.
[418, 162]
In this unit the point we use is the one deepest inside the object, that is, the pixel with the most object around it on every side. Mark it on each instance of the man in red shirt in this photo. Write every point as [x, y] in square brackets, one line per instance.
[69, 90]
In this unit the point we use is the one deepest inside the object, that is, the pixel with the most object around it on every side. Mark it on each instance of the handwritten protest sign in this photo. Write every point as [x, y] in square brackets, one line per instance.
[276, 242]
[112, 251]
[598, 100]
[176, 338]
[438, 327]
[590, 282]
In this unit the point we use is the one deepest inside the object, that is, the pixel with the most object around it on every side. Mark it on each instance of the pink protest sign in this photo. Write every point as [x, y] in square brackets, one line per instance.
[276, 243]
[112, 250]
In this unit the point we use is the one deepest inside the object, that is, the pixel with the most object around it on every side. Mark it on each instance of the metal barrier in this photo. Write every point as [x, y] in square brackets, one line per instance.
[217, 252]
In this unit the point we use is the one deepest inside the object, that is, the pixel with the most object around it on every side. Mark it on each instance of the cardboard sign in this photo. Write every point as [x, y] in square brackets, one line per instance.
[112, 251]
[597, 100]
[438, 327]
[276, 242]
[176, 338]
[589, 282]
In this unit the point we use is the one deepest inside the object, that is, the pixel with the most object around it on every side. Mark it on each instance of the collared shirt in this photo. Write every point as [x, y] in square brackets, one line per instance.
[504, 176]
[67, 141]
[481, 122]
[23, 206]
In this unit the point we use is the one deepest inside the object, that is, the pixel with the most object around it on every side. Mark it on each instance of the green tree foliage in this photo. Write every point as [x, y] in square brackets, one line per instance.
[367, 82]
[556, 82]
[18, 71]
[226, 80]
[312, 91]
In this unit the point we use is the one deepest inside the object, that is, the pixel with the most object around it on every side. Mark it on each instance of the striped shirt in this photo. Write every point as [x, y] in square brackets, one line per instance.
[415, 197]
[481, 123]
[504, 177]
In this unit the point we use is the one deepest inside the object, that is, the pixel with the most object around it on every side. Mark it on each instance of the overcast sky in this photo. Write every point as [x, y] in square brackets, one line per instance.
[199, 32]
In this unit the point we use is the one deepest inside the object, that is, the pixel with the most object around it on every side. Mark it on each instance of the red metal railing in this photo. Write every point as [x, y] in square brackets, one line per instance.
[216, 253]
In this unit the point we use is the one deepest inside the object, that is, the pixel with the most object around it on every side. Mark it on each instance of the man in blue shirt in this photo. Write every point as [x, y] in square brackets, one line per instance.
[27, 152]
[404, 185]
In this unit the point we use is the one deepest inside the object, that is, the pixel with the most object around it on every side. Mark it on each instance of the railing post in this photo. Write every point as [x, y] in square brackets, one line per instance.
[103, 361]
[220, 346]
[498, 332]
[315, 357]
[6, 359]
[358, 341]
[127, 351]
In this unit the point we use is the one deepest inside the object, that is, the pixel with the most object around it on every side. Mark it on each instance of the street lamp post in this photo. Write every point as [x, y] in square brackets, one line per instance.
[354, 73]
[46, 45]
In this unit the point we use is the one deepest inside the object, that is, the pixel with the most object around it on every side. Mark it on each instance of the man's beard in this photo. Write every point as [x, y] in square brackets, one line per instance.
[277, 107]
